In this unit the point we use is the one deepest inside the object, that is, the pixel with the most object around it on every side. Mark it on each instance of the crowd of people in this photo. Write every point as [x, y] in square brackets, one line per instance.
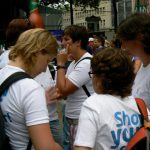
[96, 80]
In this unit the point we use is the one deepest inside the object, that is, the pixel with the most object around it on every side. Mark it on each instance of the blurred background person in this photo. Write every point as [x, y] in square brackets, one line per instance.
[98, 44]
[134, 33]
[90, 45]
[14, 29]
[48, 81]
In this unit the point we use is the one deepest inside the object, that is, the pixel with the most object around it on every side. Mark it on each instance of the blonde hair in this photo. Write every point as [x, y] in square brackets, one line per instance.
[30, 43]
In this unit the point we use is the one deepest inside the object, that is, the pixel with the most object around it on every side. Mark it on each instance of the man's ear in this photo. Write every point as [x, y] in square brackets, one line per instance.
[78, 43]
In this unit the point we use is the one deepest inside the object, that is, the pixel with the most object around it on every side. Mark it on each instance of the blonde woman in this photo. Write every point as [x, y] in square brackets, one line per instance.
[25, 102]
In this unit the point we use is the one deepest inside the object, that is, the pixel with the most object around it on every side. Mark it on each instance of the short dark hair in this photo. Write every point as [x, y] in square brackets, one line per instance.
[77, 33]
[15, 28]
[114, 68]
[132, 26]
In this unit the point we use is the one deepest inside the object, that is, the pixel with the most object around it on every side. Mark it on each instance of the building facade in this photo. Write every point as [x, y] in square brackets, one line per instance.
[102, 14]
[124, 9]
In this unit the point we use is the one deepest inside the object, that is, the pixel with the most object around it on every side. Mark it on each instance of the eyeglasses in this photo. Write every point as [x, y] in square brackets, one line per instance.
[91, 74]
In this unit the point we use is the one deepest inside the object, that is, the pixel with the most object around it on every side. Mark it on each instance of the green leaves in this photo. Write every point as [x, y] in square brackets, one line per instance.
[83, 3]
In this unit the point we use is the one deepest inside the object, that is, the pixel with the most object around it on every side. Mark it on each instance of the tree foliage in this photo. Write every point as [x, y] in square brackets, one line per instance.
[83, 3]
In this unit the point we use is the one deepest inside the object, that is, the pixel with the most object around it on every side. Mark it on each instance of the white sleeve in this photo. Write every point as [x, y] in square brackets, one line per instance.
[34, 107]
[79, 76]
[87, 128]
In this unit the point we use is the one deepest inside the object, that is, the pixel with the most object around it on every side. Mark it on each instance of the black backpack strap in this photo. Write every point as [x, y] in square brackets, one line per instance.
[52, 70]
[83, 86]
[82, 59]
[29, 145]
[11, 79]
[86, 90]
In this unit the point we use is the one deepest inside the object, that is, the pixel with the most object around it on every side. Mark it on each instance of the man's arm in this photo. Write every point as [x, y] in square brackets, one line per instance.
[81, 148]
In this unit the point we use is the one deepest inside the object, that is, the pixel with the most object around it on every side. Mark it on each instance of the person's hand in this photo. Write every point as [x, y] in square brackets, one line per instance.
[52, 94]
[62, 56]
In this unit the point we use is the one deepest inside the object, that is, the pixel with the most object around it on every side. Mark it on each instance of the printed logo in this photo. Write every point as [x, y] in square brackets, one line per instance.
[126, 125]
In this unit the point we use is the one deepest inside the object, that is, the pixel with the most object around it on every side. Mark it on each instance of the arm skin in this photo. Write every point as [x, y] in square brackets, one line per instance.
[81, 148]
[52, 94]
[137, 65]
[64, 85]
[42, 138]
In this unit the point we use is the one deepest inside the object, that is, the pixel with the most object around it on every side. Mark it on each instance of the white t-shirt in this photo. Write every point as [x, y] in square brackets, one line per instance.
[141, 87]
[24, 105]
[46, 80]
[4, 59]
[78, 75]
[107, 122]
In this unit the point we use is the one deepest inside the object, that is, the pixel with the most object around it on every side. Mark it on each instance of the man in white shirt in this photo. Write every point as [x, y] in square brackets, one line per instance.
[46, 81]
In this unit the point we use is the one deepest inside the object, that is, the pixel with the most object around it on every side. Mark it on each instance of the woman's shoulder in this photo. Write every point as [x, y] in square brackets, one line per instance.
[26, 82]
[96, 100]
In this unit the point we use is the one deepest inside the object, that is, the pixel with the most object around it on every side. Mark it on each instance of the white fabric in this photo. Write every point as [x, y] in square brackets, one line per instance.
[141, 87]
[24, 105]
[4, 58]
[107, 122]
[78, 76]
[45, 79]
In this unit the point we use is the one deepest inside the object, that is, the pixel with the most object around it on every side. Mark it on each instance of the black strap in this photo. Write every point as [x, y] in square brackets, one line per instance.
[83, 86]
[82, 59]
[52, 70]
[10, 80]
[29, 145]
[86, 90]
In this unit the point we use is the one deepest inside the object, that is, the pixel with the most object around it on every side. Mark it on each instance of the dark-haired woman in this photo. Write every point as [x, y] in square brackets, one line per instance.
[110, 117]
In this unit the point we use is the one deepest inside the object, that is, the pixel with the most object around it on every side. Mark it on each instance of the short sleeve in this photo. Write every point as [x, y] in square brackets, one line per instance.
[79, 76]
[87, 128]
[34, 106]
